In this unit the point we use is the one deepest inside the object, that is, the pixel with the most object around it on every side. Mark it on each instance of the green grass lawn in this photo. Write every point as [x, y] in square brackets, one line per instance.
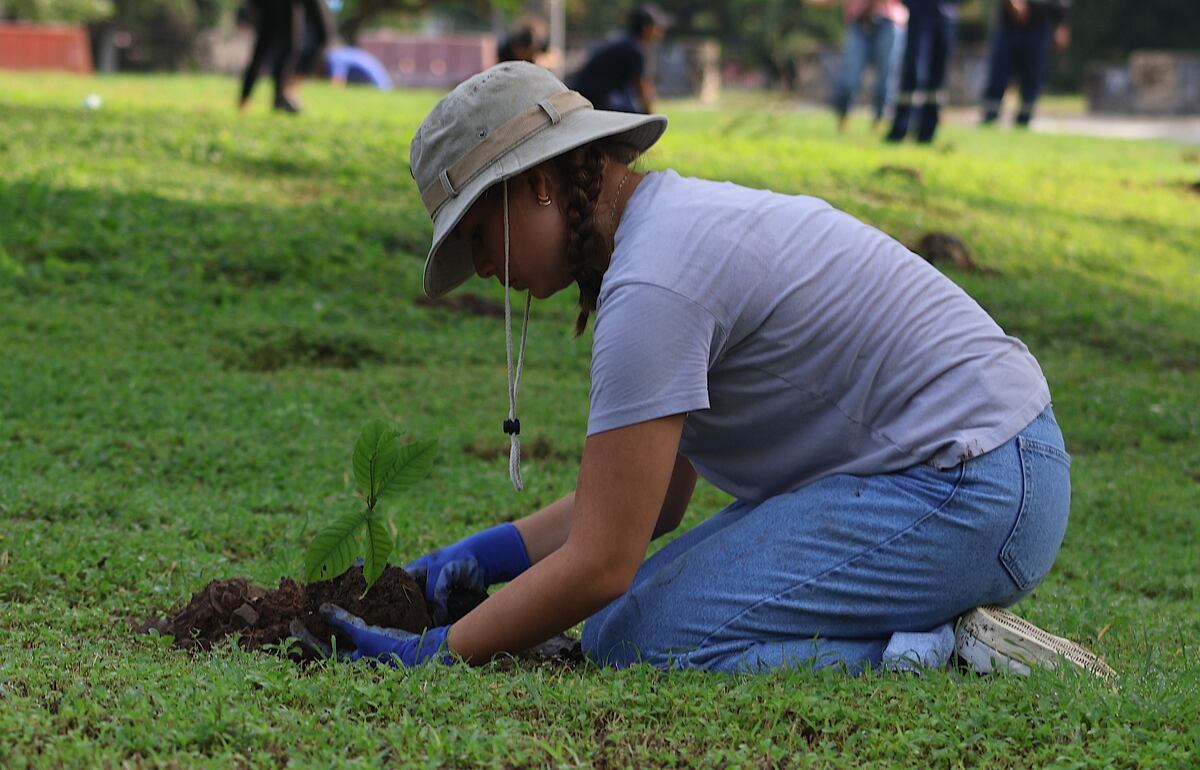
[199, 311]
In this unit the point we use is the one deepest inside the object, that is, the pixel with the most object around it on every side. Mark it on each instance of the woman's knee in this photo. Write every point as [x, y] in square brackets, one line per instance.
[619, 635]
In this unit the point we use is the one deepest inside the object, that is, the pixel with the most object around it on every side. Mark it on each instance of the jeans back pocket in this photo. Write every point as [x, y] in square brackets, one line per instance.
[1031, 547]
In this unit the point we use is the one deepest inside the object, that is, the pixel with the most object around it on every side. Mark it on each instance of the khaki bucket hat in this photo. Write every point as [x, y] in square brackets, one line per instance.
[497, 124]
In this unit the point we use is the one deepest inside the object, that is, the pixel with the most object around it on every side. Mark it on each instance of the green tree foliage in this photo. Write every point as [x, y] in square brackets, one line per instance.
[1108, 30]
[163, 31]
[57, 11]
[760, 33]
[771, 33]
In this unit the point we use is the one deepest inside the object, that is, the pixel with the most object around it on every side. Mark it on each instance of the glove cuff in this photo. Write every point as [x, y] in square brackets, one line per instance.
[432, 645]
[501, 552]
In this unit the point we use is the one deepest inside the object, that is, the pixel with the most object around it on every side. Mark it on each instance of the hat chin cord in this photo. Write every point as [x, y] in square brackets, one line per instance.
[512, 426]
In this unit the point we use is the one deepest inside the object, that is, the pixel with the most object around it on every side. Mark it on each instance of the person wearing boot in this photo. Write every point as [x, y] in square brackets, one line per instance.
[932, 25]
[1023, 33]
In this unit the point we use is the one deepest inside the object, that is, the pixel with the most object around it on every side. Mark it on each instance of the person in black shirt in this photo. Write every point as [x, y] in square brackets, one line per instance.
[1021, 40]
[614, 76]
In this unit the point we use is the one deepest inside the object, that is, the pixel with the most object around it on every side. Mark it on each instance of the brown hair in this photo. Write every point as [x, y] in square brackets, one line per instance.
[589, 247]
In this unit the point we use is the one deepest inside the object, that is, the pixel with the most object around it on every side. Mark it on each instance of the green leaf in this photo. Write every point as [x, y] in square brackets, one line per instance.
[413, 462]
[374, 454]
[332, 551]
[379, 547]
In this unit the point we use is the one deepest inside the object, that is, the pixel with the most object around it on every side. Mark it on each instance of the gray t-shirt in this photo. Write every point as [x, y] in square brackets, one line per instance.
[799, 341]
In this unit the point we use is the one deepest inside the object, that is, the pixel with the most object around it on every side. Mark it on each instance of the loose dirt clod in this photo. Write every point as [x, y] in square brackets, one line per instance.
[947, 247]
[907, 172]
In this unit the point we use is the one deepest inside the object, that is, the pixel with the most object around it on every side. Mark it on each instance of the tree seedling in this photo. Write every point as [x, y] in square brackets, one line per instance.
[382, 466]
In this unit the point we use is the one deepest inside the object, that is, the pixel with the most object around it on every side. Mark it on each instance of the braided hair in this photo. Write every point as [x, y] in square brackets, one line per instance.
[588, 245]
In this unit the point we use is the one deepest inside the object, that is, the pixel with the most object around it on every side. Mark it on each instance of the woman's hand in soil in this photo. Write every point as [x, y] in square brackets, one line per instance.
[495, 555]
[390, 645]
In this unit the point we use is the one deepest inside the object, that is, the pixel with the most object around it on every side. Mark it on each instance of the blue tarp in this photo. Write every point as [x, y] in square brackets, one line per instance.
[354, 65]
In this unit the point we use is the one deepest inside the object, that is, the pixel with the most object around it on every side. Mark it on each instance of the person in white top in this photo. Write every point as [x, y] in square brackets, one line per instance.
[892, 453]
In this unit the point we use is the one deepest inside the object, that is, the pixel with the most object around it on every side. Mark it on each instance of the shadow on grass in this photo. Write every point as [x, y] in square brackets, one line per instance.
[47, 232]
[54, 230]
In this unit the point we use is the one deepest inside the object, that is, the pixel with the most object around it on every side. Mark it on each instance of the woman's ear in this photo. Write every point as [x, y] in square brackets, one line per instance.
[541, 183]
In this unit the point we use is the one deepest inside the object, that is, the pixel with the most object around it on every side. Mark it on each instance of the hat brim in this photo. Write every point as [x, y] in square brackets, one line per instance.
[449, 263]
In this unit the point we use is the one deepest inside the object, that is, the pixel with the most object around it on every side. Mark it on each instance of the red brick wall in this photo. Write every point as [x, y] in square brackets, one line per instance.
[43, 47]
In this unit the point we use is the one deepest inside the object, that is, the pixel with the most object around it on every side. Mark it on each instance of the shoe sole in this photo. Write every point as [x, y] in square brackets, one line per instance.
[991, 638]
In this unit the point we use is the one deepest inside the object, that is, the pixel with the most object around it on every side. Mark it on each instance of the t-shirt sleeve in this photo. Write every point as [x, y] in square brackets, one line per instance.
[650, 357]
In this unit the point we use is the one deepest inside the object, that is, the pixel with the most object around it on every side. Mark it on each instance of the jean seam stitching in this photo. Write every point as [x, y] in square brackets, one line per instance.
[839, 567]
[1012, 565]
[1047, 449]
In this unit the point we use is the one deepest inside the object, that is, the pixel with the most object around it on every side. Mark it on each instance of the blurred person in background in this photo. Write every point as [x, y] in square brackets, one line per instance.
[278, 31]
[932, 25]
[875, 36]
[318, 29]
[1021, 39]
[525, 42]
[615, 76]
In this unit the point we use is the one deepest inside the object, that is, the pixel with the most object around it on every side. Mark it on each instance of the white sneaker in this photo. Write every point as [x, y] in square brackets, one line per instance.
[991, 639]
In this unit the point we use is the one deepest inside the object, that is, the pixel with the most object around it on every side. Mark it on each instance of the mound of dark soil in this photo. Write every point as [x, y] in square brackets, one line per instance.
[262, 616]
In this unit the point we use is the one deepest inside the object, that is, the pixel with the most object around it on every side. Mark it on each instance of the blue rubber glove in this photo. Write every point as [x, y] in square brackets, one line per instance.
[390, 645]
[492, 556]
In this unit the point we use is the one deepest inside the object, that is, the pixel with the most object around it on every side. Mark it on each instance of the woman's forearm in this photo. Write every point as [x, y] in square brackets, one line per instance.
[535, 606]
[623, 481]
[545, 531]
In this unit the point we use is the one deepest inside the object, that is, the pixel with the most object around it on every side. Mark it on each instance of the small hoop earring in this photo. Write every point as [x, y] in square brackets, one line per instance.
[543, 201]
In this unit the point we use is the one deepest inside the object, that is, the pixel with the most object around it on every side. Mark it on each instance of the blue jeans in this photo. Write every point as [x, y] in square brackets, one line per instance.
[826, 574]
[877, 42]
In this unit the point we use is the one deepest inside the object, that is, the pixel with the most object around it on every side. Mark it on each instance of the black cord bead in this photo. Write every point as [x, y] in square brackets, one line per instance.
[512, 426]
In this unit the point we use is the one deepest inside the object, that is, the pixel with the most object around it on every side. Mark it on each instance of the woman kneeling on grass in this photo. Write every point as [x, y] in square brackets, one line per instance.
[893, 455]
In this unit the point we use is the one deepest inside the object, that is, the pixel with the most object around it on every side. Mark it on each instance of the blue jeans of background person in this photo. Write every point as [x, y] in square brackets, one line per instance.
[824, 575]
[923, 75]
[873, 41]
[1026, 49]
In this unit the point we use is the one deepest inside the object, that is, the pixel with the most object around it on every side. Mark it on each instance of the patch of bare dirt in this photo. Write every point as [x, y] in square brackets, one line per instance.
[941, 248]
[540, 448]
[904, 172]
[467, 303]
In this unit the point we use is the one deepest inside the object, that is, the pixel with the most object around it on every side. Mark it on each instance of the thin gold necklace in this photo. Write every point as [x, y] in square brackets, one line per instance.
[612, 210]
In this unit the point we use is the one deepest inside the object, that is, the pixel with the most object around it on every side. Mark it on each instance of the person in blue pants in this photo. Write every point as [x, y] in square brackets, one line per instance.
[874, 36]
[932, 25]
[891, 453]
[1021, 40]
